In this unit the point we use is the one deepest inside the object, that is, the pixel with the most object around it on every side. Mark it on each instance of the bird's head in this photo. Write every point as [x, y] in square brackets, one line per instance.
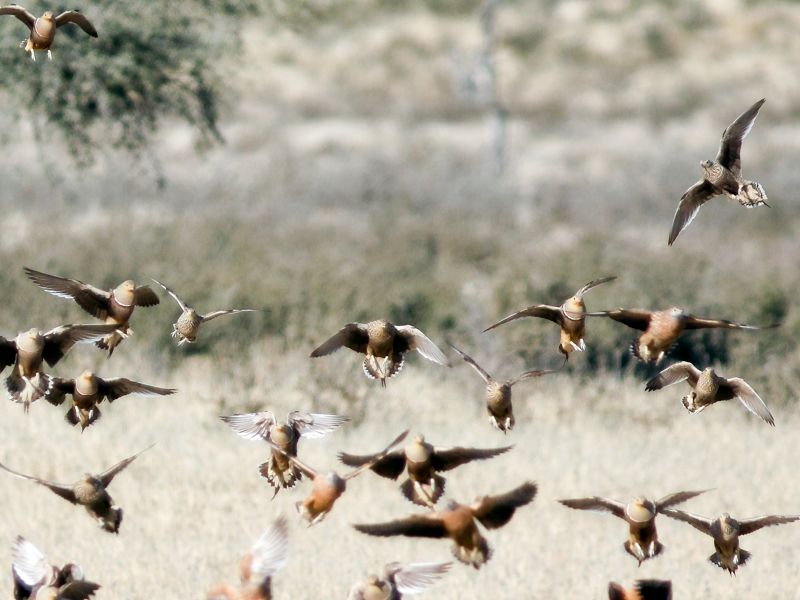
[30, 340]
[706, 164]
[48, 15]
[125, 292]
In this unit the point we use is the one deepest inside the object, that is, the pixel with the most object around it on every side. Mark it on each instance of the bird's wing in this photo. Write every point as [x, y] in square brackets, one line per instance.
[65, 491]
[352, 335]
[19, 12]
[8, 353]
[676, 498]
[314, 425]
[120, 386]
[251, 426]
[444, 459]
[750, 525]
[471, 362]
[58, 341]
[739, 388]
[690, 203]
[307, 471]
[426, 525]
[174, 296]
[730, 146]
[529, 375]
[218, 313]
[91, 299]
[674, 374]
[702, 524]
[597, 503]
[377, 457]
[270, 551]
[144, 295]
[420, 342]
[496, 511]
[543, 311]
[693, 322]
[416, 577]
[28, 562]
[632, 317]
[594, 283]
[108, 475]
[58, 390]
[77, 590]
[391, 465]
[73, 16]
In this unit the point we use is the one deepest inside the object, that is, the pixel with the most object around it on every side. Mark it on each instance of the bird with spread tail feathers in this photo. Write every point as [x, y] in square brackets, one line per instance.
[186, 328]
[90, 492]
[498, 393]
[399, 580]
[723, 175]
[726, 531]
[644, 589]
[640, 514]
[569, 317]
[266, 557]
[279, 471]
[115, 306]
[381, 339]
[35, 578]
[708, 388]
[458, 522]
[43, 29]
[423, 461]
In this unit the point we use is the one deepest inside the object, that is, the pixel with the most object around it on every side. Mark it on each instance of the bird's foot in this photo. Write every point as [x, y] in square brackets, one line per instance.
[49, 54]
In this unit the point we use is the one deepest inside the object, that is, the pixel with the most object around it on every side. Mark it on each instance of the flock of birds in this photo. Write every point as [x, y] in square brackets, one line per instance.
[419, 462]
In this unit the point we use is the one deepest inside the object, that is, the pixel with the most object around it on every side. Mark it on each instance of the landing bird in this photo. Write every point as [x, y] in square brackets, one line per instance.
[726, 531]
[424, 486]
[35, 578]
[399, 580]
[458, 522]
[640, 514]
[569, 317]
[267, 557]
[88, 390]
[645, 589]
[381, 339]
[662, 328]
[498, 393]
[708, 388]
[90, 492]
[327, 487]
[114, 306]
[43, 29]
[186, 328]
[28, 381]
[723, 175]
[279, 471]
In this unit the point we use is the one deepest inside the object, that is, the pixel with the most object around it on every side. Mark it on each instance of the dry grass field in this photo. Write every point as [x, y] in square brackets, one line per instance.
[356, 183]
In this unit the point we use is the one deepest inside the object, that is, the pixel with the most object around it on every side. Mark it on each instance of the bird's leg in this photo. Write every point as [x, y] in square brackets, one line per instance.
[576, 347]
[33, 56]
[49, 54]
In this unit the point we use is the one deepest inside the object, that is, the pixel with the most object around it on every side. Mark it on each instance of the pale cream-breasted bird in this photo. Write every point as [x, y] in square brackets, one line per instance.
[399, 580]
[88, 390]
[186, 328]
[36, 579]
[279, 471]
[114, 306]
[43, 29]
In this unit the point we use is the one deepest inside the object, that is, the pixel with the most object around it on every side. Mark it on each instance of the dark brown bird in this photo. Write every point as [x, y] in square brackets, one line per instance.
[36, 579]
[458, 522]
[382, 339]
[267, 557]
[115, 306]
[43, 29]
[89, 390]
[498, 393]
[569, 317]
[424, 486]
[644, 589]
[726, 531]
[28, 382]
[186, 328]
[662, 328]
[640, 514]
[723, 175]
[326, 488]
[397, 580]
[279, 471]
[708, 388]
[90, 492]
